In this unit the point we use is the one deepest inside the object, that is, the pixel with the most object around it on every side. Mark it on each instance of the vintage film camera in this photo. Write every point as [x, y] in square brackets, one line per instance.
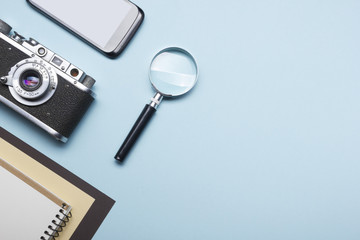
[42, 86]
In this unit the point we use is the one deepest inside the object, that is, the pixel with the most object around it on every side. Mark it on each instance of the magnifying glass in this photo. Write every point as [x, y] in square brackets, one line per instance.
[173, 72]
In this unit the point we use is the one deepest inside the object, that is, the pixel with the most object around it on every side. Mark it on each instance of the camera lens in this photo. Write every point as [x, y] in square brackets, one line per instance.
[30, 80]
[34, 81]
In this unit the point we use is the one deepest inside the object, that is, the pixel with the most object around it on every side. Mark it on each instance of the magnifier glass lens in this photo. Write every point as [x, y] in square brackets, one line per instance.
[173, 72]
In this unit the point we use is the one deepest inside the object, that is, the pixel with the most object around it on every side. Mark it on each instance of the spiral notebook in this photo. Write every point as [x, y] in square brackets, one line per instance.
[32, 212]
[89, 206]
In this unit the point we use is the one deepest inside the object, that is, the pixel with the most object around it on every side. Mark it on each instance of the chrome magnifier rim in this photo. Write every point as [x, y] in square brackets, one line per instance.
[188, 54]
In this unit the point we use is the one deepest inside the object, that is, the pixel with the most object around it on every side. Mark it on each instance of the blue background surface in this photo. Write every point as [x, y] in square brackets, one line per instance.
[266, 146]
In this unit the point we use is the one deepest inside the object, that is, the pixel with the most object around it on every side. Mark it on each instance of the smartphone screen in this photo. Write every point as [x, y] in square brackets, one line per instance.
[103, 23]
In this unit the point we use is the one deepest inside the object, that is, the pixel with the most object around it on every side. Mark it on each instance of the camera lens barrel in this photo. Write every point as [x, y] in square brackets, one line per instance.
[33, 81]
[4, 27]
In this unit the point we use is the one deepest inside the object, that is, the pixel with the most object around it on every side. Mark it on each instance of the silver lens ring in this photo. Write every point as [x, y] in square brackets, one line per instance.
[41, 89]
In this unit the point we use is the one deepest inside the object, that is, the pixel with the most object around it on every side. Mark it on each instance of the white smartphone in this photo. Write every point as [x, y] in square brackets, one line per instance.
[107, 25]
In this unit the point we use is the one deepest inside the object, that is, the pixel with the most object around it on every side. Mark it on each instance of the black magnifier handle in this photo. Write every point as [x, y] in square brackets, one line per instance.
[138, 127]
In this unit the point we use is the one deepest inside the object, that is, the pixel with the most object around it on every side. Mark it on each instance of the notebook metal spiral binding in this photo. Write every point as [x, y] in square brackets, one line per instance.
[59, 224]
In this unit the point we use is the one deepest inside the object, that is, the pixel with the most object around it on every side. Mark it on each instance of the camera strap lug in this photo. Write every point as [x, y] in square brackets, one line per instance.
[5, 81]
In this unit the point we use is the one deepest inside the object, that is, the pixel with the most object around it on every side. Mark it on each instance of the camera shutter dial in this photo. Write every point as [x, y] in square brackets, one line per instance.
[88, 81]
[4, 27]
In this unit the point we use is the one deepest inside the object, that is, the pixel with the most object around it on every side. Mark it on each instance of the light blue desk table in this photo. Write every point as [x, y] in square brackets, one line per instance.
[266, 147]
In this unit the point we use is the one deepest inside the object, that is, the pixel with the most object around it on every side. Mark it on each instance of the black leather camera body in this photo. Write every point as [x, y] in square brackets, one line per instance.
[42, 86]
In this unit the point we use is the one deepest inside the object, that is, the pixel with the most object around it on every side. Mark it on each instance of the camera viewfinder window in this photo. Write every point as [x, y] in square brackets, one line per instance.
[57, 61]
